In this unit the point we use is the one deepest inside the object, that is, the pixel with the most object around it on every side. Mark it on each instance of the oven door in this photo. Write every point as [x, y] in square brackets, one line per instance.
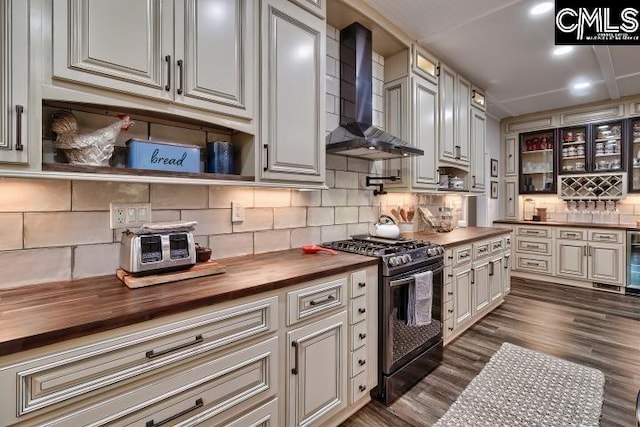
[401, 343]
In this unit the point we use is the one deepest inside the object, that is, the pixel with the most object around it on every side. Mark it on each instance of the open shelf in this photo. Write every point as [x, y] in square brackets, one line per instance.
[550, 150]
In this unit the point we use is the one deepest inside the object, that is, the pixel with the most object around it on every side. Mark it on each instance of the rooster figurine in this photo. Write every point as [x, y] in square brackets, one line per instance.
[89, 149]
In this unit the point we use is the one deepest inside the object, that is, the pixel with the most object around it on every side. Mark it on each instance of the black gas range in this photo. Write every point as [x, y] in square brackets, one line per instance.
[406, 354]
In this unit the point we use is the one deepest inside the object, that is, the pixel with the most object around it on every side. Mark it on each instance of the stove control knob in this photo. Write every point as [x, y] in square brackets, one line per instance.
[393, 261]
[406, 258]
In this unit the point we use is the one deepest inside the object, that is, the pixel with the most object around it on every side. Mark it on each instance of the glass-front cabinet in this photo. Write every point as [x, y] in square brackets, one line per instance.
[537, 162]
[607, 147]
[634, 155]
[573, 150]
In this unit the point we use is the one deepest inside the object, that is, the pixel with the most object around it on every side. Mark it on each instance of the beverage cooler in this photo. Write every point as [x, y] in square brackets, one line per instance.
[633, 262]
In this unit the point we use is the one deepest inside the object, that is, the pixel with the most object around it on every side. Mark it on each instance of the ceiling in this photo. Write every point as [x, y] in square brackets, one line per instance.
[501, 48]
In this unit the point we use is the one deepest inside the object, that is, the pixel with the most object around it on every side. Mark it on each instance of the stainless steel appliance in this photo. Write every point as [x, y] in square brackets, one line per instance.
[406, 354]
[150, 253]
[633, 263]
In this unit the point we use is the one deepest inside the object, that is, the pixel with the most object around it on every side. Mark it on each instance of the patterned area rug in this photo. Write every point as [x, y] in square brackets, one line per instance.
[521, 387]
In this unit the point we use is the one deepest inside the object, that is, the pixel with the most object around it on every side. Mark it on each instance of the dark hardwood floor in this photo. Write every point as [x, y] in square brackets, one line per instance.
[593, 328]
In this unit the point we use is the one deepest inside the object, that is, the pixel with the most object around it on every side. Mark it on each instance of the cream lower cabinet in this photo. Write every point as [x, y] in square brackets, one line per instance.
[198, 53]
[474, 283]
[292, 60]
[14, 73]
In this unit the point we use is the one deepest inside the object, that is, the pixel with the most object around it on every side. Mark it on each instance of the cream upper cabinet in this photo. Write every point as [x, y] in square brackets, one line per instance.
[14, 71]
[193, 52]
[425, 132]
[292, 64]
[462, 114]
[449, 149]
[316, 370]
[318, 7]
[478, 137]
[397, 96]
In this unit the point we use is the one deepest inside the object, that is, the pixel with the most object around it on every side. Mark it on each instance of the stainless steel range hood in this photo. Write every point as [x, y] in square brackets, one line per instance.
[356, 136]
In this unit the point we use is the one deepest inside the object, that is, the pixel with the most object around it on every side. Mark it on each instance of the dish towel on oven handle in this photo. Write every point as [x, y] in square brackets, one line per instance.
[420, 296]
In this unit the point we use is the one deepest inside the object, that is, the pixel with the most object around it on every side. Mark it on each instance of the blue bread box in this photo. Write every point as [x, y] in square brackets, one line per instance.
[164, 156]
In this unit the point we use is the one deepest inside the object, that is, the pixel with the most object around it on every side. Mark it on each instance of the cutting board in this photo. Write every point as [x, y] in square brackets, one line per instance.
[208, 268]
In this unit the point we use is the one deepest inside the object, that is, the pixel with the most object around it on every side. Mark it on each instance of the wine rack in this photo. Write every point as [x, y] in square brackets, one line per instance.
[609, 186]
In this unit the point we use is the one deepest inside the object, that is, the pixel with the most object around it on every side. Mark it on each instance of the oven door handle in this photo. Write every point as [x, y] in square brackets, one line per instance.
[406, 280]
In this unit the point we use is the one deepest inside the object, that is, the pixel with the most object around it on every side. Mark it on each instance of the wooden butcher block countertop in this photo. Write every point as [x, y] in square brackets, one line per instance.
[461, 236]
[38, 315]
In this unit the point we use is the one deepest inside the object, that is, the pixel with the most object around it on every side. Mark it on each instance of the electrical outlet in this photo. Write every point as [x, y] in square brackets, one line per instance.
[124, 215]
[237, 212]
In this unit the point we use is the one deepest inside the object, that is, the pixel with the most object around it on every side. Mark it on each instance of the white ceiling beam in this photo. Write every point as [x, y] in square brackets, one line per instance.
[603, 56]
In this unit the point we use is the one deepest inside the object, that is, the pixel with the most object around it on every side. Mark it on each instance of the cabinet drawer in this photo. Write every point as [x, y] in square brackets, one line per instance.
[358, 387]
[447, 329]
[507, 241]
[447, 274]
[448, 309]
[358, 283]
[358, 361]
[535, 264]
[448, 257]
[571, 233]
[539, 246]
[358, 335]
[358, 310]
[497, 245]
[201, 390]
[77, 372]
[481, 249]
[462, 255]
[313, 300]
[533, 231]
[448, 292]
[265, 415]
[606, 236]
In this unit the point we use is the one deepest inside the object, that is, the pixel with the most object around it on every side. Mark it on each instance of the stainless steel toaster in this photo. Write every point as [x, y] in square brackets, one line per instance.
[142, 254]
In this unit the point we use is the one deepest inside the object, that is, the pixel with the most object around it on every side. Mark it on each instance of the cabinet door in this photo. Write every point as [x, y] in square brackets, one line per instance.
[478, 131]
[397, 98]
[572, 259]
[447, 98]
[316, 367]
[480, 286]
[293, 92]
[511, 201]
[214, 44]
[14, 70]
[121, 45]
[462, 308]
[506, 272]
[511, 151]
[425, 132]
[607, 263]
[462, 121]
[496, 279]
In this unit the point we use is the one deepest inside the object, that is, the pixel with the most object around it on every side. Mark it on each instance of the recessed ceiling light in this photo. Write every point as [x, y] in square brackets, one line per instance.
[541, 8]
[581, 85]
[562, 50]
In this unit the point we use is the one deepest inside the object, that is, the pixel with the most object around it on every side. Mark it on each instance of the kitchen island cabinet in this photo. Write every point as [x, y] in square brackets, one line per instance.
[216, 359]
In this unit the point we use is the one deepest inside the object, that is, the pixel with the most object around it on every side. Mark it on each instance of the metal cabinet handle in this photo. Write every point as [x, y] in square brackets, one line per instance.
[180, 76]
[506, 262]
[362, 310]
[266, 147]
[362, 362]
[167, 87]
[19, 111]
[473, 276]
[322, 301]
[584, 250]
[362, 284]
[458, 152]
[449, 275]
[492, 268]
[362, 387]
[590, 250]
[199, 403]
[151, 354]
[450, 328]
[438, 71]
[473, 177]
[449, 311]
[294, 370]
[362, 336]
[449, 293]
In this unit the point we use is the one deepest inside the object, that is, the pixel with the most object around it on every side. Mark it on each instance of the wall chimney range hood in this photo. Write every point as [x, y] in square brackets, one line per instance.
[356, 136]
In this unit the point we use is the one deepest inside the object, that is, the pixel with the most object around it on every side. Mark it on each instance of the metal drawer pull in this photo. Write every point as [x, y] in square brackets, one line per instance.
[362, 387]
[450, 328]
[19, 111]
[167, 87]
[449, 275]
[571, 234]
[492, 268]
[151, 354]
[180, 77]
[449, 293]
[362, 284]
[450, 311]
[294, 370]
[362, 310]
[266, 148]
[361, 362]
[199, 403]
[473, 276]
[322, 301]
[362, 336]
[532, 264]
